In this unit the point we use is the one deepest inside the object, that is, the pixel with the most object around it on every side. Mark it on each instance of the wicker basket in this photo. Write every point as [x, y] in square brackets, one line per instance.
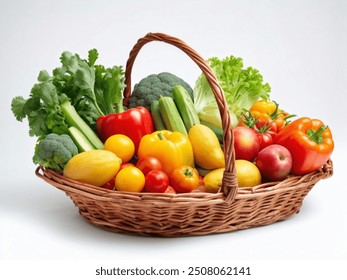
[170, 215]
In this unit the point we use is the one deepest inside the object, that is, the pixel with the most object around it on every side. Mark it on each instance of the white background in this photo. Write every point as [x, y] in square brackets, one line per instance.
[298, 46]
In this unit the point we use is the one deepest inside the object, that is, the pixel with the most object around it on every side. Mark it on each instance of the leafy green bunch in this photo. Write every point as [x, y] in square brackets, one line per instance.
[91, 89]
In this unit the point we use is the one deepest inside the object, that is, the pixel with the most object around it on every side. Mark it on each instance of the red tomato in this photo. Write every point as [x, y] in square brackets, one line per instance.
[170, 189]
[109, 185]
[147, 164]
[156, 181]
[270, 127]
[265, 139]
[184, 179]
[126, 164]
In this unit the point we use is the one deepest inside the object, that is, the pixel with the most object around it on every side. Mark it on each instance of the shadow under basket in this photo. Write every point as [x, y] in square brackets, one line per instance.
[188, 214]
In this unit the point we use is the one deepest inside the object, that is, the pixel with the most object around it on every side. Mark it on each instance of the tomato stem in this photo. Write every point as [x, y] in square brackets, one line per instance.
[248, 119]
[188, 173]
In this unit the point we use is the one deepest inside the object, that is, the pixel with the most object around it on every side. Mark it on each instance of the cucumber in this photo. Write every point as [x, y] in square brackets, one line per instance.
[185, 107]
[170, 115]
[203, 172]
[80, 140]
[156, 116]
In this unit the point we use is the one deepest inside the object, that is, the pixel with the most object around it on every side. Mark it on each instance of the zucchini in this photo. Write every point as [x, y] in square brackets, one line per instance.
[185, 106]
[80, 140]
[156, 116]
[170, 115]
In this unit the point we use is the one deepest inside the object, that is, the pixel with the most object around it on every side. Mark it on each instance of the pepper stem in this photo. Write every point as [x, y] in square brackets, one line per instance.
[317, 136]
[161, 136]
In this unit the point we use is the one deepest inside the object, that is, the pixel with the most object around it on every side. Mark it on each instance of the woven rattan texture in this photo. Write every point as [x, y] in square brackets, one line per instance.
[187, 214]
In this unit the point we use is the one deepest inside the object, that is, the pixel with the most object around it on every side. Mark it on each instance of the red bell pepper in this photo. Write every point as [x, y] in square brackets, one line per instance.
[134, 123]
[310, 143]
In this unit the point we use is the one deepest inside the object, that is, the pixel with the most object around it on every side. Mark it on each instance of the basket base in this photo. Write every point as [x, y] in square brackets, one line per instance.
[123, 219]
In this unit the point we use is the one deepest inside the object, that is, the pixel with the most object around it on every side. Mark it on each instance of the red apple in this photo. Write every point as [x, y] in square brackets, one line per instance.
[246, 143]
[274, 162]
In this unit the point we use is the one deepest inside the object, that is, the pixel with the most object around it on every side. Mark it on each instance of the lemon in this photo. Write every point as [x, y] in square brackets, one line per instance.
[213, 179]
[248, 174]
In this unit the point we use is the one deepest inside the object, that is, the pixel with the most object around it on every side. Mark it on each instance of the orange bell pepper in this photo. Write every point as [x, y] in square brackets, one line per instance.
[172, 149]
[310, 143]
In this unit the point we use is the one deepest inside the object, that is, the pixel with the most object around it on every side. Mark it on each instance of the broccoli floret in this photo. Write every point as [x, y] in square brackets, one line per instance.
[154, 86]
[55, 151]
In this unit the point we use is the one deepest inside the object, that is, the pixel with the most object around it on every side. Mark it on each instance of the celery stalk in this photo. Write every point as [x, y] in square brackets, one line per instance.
[73, 119]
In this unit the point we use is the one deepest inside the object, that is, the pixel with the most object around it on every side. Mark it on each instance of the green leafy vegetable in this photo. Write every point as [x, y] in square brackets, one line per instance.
[42, 110]
[93, 89]
[75, 95]
[109, 84]
[242, 87]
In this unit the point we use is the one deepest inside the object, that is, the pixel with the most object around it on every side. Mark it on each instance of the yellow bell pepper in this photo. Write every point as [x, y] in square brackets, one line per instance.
[172, 149]
[263, 106]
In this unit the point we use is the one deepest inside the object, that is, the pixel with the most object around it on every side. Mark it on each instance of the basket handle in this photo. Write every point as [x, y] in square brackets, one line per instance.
[229, 182]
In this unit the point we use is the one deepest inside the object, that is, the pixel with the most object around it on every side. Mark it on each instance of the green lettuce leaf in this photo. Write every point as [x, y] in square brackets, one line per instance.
[242, 87]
